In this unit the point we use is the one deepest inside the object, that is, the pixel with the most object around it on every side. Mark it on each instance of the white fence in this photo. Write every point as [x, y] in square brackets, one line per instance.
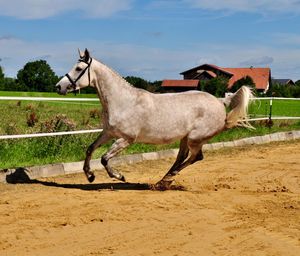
[65, 99]
[36, 135]
[270, 116]
[47, 99]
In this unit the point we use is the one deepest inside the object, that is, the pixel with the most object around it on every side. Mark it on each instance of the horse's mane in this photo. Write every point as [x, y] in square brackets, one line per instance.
[114, 72]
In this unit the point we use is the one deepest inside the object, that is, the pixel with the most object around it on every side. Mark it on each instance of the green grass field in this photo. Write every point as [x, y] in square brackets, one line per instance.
[15, 114]
[19, 117]
[279, 108]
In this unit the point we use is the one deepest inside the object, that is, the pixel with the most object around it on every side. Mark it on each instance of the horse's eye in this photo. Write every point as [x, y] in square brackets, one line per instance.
[78, 69]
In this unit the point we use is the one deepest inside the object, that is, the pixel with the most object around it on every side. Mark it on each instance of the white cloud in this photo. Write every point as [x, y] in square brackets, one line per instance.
[287, 39]
[259, 61]
[33, 9]
[258, 6]
[148, 62]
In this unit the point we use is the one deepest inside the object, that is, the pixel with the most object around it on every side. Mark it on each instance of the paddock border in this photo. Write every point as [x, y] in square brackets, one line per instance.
[84, 100]
[51, 170]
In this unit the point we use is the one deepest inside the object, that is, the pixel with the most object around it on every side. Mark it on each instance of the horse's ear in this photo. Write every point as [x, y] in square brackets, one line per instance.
[81, 54]
[86, 55]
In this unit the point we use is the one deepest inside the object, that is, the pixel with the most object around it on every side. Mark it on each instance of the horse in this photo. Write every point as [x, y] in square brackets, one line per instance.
[132, 115]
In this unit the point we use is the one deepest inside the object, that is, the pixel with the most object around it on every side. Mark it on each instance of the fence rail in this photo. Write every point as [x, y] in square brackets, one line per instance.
[36, 135]
[47, 99]
[274, 98]
[274, 118]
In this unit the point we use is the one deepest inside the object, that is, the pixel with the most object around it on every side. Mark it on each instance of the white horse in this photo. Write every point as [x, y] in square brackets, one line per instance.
[134, 115]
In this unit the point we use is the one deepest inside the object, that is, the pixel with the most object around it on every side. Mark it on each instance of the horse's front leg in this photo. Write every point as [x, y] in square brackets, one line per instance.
[116, 148]
[102, 139]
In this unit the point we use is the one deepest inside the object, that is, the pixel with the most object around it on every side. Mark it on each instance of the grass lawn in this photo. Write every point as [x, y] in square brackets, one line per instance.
[279, 108]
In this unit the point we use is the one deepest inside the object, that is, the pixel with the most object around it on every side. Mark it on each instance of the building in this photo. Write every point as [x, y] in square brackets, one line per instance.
[283, 81]
[260, 76]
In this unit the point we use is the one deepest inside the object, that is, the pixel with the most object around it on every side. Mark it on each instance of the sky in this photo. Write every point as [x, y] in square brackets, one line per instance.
[154, 40]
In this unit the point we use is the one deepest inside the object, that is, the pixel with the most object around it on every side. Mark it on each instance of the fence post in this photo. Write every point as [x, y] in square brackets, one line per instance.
[270, 114]
[270, 122]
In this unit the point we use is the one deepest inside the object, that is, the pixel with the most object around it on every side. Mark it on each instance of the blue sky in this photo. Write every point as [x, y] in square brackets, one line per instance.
[152, 39]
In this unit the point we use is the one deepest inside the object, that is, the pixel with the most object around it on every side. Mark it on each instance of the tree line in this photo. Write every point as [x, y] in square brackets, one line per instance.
[38, 76]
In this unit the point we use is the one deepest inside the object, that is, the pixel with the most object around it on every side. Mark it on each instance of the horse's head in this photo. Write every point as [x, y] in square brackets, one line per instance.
[78, 77]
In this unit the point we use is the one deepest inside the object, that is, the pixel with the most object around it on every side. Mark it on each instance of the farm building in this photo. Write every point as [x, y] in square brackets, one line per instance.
[283, 81]
[260, 76]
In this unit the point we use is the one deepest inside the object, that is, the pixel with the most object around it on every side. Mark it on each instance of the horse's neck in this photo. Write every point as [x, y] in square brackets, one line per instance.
[114, 92]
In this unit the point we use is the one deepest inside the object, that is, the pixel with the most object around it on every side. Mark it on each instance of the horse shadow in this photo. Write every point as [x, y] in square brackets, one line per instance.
[20, 176]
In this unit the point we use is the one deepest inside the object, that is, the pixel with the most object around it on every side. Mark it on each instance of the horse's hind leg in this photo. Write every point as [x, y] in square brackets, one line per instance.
[196, 155]
[102, 139]
[182, 155]
[116, 148]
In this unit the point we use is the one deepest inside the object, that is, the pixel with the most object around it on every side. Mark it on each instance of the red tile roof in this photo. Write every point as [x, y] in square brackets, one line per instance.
[180, 83]
[260, 76]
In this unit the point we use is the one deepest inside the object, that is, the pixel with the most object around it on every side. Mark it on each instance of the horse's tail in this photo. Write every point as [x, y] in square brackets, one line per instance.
[238, 104]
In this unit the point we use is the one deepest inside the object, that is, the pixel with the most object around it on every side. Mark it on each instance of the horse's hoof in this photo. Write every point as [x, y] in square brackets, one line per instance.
[162, 185]
[123, 178]
[91, 178]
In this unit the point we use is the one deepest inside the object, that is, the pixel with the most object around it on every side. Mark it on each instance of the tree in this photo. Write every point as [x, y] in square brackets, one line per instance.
[137, 82]
[1, 74]
[295, 90]
[216, 86]
[155, 86]
[247, 80]
[37, 76]
[1, 79]
[288, 91]
[7, 83]
[143, 84]
[10, 84]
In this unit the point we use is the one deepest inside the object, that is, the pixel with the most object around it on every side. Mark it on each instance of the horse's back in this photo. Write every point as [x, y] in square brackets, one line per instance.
[189, 100]
[174, 115]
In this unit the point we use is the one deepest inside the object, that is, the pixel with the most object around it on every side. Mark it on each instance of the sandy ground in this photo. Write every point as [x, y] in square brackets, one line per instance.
[242, 201]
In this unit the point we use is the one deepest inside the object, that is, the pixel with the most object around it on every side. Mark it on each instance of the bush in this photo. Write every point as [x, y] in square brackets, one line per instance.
[11, 129]
[58, 123]
[95, 113]
[32, 119]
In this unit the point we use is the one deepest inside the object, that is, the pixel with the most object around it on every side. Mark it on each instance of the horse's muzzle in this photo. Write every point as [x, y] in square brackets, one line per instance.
[60, 91]
[58, 88]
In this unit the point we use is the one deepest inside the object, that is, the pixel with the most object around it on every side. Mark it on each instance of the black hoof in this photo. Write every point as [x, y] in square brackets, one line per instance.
[162, 185]
[91, 178]
[123, 179]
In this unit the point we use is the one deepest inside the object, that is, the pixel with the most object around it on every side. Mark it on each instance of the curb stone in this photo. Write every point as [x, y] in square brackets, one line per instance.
[21, 175]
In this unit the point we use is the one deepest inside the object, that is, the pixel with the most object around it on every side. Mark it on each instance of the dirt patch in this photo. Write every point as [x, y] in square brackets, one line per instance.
[242, 201]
